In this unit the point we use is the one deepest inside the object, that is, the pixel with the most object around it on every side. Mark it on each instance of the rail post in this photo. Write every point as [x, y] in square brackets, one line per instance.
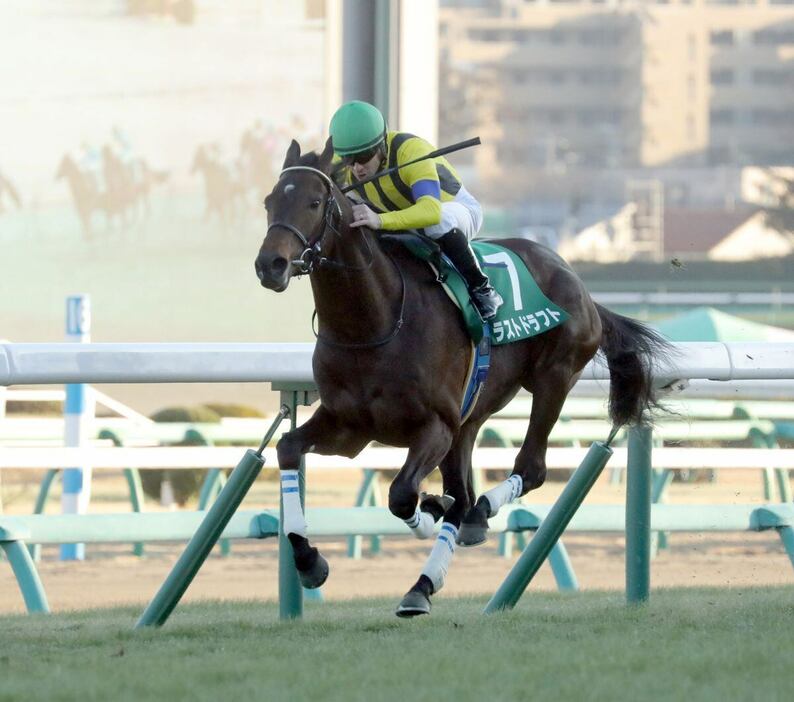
[208, 533]
[638, 514]
[290, 591]
[551, 529]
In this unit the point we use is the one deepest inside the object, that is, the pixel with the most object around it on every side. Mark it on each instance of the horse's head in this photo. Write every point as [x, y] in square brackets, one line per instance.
[300, 210]
[67, 168]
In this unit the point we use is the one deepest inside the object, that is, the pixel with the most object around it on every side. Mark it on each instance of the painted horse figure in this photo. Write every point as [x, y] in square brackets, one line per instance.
[391, 359]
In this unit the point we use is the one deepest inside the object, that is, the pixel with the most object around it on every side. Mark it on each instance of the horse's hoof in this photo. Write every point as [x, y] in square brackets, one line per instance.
[311, 566]
[435, 505]
[474, 528]
[316, 575]
[413, 604]
[472, 534]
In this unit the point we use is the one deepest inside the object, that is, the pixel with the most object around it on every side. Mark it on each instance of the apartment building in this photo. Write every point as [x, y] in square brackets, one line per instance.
[568, 86]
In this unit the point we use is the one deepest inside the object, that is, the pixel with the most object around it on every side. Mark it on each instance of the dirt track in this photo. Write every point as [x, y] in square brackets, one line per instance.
[112, 576]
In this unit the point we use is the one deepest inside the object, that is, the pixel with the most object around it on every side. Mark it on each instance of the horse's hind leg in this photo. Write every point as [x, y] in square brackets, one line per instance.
[529, 469]
[455, 471]
[321, 434]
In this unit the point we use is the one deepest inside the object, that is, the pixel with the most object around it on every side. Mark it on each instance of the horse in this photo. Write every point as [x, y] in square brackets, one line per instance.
[85, 192]
[224, 191]
[391, 359]
[128, 184]
[257, 168]
[6, 186]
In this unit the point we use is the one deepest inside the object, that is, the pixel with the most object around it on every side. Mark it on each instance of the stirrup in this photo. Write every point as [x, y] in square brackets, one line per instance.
[487, 300]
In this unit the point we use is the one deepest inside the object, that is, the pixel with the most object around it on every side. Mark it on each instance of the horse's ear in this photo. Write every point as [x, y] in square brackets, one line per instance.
[293, 154]
[327, 156]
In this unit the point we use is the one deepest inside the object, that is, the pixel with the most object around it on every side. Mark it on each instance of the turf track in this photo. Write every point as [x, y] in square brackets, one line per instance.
[685, 644]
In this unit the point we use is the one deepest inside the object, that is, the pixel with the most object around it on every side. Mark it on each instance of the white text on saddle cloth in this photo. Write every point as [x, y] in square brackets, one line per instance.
[521, 326]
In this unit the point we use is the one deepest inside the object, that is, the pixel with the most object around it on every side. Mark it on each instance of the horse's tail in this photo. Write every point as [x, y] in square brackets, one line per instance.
[632, 350]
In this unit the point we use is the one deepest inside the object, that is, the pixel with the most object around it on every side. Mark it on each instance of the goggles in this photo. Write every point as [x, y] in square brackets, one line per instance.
[361, 157]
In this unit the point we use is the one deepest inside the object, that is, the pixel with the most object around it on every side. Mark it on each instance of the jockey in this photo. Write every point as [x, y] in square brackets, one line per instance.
[427, 196]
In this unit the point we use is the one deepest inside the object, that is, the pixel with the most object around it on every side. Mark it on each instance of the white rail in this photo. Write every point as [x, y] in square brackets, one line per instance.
[32, 364]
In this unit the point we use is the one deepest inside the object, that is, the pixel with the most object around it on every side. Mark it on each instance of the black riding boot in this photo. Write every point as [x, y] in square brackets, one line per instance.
[455, 245]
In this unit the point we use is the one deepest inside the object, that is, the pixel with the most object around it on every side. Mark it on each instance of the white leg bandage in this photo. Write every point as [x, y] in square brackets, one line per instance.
[437, 564]
[294, 521]
[421, 524]
[504, 493]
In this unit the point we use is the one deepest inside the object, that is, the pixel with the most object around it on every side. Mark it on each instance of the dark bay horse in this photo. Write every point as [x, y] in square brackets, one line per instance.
[392, 356]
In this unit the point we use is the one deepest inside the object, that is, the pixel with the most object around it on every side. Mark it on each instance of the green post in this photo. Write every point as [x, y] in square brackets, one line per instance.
[781, 474]
[290, 592]
[561, 566]
[208, 533]
[41, 505]
[661, 481]
[136, 499]
[27, 576]
[134, 485]
[551, 529]
[638, 514]
[786, 534]
[368, 496]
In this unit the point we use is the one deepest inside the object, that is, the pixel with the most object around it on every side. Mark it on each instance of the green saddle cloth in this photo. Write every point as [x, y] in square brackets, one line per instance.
[526, 311]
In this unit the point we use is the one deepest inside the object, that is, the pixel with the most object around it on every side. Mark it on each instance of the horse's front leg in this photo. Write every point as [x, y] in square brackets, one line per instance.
[324, 434]
[428, 450]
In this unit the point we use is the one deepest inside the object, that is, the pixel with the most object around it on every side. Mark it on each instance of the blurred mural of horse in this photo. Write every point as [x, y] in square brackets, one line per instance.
[256, 147]
[128, 184]
[8, 192]
[224, 186]
[85, 190]
[117, 189]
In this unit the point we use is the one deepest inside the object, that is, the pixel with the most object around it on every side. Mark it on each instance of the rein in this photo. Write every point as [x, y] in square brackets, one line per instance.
[312, 255]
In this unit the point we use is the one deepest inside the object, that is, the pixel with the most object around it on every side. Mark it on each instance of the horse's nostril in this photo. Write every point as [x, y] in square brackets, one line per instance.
[279, 265]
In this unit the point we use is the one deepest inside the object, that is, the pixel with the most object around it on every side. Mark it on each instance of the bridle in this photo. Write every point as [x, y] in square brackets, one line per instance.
[312, 255]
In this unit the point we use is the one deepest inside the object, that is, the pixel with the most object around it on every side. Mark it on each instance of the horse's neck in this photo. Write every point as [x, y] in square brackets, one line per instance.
[79, 182]
[361, 301]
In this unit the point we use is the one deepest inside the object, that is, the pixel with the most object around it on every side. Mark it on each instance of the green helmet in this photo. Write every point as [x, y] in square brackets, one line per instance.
[356, 127]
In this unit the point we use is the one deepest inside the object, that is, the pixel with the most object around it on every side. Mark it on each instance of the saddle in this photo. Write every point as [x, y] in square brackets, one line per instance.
[526, 312]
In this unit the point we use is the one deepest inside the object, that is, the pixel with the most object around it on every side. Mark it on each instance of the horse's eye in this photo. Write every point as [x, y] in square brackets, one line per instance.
[315, 204]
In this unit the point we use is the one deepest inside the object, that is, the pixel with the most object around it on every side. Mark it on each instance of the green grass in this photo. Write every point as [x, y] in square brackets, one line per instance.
[685, 644]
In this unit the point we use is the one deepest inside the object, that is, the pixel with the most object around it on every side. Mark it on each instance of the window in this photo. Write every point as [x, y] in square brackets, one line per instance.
[556, 36]
[722, 117]
[723, 37]
[772, 118]
[772, 76]
[773, 37]
[722, 76]
[599, 76]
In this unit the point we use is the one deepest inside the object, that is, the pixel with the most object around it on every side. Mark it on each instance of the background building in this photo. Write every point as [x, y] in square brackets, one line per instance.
[575, 99]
